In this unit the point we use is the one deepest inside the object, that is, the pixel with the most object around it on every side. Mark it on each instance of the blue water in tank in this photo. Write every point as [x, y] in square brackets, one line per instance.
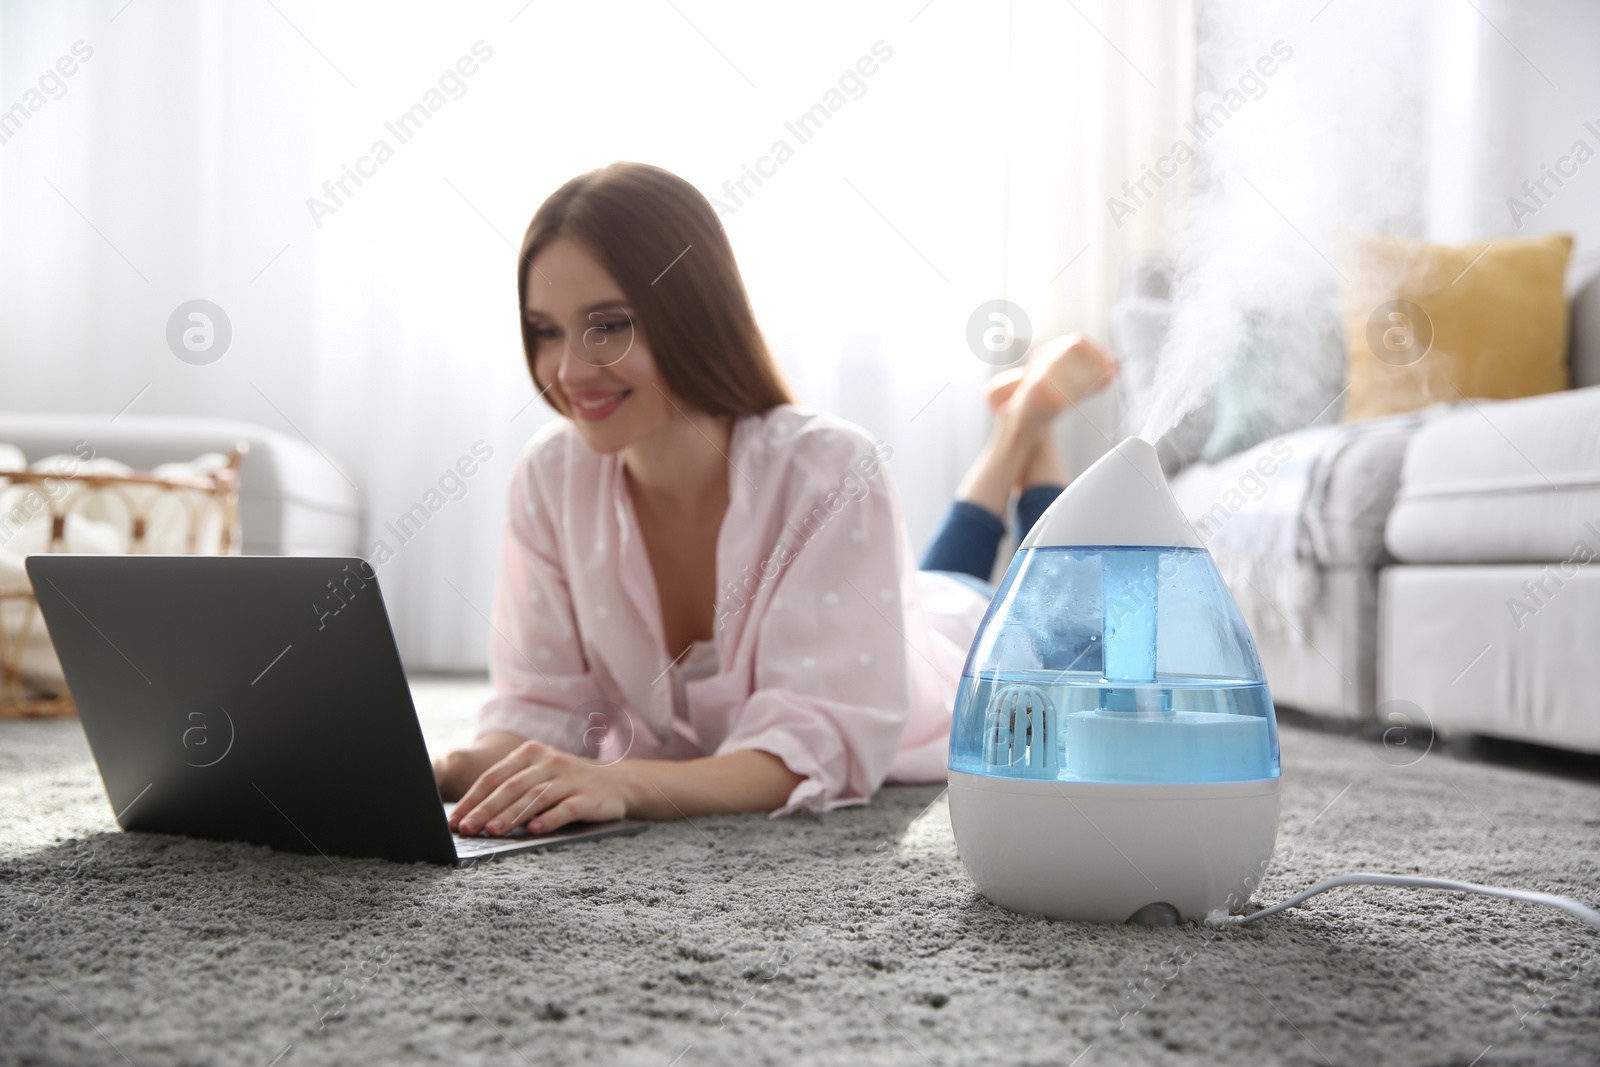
[1114, 664]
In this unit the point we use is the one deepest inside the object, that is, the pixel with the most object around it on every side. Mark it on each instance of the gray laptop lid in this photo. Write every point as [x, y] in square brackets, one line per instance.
[254, 698]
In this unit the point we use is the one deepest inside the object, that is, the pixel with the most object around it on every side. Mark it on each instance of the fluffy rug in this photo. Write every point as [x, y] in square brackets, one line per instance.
[853, 938]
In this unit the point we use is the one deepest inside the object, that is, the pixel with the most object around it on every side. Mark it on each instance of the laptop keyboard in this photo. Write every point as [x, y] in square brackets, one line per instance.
[472, 846]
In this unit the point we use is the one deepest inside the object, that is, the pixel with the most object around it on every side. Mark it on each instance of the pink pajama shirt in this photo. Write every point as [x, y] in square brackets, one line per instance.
[830, 650]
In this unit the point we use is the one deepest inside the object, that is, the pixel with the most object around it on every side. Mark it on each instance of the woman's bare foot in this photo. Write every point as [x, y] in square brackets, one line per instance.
[1059, 374]
[1027, 399]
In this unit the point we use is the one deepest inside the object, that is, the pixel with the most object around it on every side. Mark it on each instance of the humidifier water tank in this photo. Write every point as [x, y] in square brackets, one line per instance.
[1114, 744]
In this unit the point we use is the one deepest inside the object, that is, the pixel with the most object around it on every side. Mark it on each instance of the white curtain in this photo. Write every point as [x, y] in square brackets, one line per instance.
[973, 162]
[1511, 89]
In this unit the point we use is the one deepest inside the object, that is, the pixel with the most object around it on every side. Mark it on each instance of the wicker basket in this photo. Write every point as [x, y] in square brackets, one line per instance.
[140, 494]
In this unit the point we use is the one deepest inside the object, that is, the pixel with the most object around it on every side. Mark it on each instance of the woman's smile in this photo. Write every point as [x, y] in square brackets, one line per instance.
[593, 405]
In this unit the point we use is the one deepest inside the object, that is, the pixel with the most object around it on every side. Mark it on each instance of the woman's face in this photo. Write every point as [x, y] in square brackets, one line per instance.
[591, 353]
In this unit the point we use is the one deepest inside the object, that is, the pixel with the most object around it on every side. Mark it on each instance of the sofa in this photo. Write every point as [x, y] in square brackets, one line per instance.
[292, 501]
[1489, 616]
[1428, 569]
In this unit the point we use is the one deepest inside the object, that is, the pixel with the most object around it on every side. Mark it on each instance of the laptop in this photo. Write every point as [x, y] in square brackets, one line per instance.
[258, 699]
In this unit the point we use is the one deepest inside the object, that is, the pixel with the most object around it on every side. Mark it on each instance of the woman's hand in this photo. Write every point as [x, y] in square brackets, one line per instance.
[504, 781]
[456, 771]
[543, 788]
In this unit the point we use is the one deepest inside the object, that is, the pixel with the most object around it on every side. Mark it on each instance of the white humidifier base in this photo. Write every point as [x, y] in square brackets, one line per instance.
[1099, 852]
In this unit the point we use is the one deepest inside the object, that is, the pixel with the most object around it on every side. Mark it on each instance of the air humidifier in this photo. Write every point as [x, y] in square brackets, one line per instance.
[1113, 752]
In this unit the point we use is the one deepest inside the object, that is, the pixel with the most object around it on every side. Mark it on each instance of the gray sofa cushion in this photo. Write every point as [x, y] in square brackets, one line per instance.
[1511, 481]
[1586, 334]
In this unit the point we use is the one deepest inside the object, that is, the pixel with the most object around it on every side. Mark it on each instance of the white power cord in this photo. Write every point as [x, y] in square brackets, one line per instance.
[1566, 904]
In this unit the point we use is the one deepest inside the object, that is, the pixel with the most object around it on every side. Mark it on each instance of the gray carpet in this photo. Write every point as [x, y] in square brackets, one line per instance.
[854, 938]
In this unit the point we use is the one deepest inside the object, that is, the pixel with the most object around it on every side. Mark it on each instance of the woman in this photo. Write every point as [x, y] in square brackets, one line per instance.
[696, 573]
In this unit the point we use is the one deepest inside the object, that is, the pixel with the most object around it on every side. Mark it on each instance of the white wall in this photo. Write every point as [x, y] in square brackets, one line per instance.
[178, 162]
[1513, 85]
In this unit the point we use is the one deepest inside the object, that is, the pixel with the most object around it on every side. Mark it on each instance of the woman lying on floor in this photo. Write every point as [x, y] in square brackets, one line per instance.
[716, 582]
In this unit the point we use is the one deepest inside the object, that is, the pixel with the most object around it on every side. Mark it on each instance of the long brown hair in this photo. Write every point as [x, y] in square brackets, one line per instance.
[638, 220]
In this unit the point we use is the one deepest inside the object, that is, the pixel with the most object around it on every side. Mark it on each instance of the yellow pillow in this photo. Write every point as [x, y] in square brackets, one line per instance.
[1426, 323]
